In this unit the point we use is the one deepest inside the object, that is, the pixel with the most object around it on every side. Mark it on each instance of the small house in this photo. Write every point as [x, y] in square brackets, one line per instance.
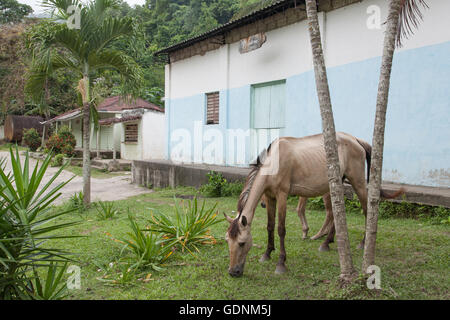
[121, 128]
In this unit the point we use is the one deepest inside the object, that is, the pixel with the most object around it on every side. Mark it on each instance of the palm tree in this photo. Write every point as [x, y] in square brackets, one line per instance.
[331, 150]
[87, 52]
[403, 16]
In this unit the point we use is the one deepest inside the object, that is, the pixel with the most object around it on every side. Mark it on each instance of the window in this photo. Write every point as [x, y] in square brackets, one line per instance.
[212, 108]
[131, 132]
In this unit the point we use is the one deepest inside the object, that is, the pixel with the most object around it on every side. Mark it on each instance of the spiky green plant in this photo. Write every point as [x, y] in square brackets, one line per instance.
[106, 210]
[25, 229]
[53, 287]
[190, 227]
[148, 248]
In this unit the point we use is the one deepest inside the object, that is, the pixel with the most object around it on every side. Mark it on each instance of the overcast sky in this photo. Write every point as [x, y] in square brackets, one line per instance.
[35, 4]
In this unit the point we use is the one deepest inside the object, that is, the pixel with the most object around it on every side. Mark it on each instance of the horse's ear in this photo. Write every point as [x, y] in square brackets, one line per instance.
[230, 220]
[244, 221]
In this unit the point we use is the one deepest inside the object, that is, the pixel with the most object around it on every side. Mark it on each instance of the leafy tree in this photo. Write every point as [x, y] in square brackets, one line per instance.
[13, 11]
[87, 52]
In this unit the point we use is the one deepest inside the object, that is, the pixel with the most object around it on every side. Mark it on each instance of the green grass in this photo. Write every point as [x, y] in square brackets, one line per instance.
[413, 256]
[95, 173]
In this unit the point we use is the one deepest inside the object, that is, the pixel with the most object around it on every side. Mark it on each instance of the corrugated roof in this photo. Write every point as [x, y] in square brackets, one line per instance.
[112, 104]
[109, 121]
[252, 17]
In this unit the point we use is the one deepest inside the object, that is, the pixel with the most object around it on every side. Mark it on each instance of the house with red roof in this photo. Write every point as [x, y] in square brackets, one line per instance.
[134, 129]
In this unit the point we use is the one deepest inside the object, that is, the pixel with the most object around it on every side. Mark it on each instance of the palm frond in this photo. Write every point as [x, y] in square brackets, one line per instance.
[409, 19]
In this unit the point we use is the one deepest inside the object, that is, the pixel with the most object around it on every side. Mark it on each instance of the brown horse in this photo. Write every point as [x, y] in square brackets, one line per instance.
[291, 166]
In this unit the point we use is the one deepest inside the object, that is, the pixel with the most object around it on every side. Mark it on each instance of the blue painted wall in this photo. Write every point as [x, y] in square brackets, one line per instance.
[417, 139]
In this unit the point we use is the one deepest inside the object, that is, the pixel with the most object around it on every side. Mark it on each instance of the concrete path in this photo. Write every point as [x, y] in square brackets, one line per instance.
[114, 188]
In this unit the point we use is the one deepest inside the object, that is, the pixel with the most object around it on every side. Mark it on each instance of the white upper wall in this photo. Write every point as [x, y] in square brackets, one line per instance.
[287, 51]
[153, 135]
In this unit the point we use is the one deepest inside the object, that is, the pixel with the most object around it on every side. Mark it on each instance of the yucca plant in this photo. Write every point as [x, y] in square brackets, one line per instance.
[25, 214]
[54, 286]
[190, 227]
[148, 248]
[106, 210]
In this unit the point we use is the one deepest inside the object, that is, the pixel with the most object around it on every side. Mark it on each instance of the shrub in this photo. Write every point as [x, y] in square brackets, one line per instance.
[76, 201]
[58, 160]
[62, 142]
[26, 217]
[68, 150]
[218, 186]
[190, 227]
[31, 138]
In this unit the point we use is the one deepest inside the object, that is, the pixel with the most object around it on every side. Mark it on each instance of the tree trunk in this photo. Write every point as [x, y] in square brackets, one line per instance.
[378, 134]
[331, 150]
[84, 89]
[43, 136]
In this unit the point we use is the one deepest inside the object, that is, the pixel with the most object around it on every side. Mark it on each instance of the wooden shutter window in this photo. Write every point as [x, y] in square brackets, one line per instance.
[131, 132]
[212, 108]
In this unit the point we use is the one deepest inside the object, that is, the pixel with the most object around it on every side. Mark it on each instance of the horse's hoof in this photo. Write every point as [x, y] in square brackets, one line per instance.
[281, 268]
[317, 236]
[264, 257]
[324, 248]
[305, 237]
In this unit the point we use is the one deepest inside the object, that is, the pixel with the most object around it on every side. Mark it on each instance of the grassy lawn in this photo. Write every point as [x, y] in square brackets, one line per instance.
[413, 257]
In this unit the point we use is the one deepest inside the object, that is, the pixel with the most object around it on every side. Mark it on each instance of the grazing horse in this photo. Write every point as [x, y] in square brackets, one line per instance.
[300, 169]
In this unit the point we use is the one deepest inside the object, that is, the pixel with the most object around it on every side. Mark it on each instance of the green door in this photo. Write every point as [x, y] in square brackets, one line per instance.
[268, 104]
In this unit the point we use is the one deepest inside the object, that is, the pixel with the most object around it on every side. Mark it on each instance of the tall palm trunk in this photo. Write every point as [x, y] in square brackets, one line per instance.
[84, 89]
[378, 133]
[331, 150]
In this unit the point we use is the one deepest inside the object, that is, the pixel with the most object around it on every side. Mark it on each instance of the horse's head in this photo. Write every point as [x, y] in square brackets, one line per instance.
[240, 241]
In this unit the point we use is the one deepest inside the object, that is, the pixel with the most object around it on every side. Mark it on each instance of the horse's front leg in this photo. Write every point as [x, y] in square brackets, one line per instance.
[281, 201]
[271, 209]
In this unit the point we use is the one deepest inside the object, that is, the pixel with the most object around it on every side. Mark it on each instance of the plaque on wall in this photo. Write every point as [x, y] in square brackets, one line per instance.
[252, 43]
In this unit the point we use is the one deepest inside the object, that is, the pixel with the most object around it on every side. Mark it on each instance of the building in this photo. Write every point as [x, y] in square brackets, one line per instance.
[253, 78]
[133, 128]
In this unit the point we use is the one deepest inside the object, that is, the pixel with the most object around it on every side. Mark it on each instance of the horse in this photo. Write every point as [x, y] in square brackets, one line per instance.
[292, 166]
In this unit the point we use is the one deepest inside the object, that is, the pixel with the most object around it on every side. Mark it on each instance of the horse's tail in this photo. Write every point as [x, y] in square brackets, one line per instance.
[383, 194]
[368, 149]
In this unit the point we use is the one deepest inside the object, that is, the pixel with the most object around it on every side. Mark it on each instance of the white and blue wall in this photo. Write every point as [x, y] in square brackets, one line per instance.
[417, 139]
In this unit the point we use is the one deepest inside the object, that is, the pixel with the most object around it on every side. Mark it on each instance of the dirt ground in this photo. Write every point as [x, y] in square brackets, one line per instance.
[114, 188]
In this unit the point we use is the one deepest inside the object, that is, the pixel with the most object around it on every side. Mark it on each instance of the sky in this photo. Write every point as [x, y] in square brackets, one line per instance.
[35, 4]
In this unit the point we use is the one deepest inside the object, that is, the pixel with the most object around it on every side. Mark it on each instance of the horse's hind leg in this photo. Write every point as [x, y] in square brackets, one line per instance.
[330, 238]
[358, 182]
[271, 209]
[301, 209]
[361, 192]
[328, 219]
[281, 202]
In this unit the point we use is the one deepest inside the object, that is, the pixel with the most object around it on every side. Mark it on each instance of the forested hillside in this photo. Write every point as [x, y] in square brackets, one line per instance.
[158, 24]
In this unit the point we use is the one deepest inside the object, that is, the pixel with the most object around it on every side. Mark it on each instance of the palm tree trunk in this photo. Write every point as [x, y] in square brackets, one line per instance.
[329, 135]
[84, 88]
[43, 136]
[378, 134]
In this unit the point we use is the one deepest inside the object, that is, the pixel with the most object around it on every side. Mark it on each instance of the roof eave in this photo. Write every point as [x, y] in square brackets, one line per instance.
[256, 15]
